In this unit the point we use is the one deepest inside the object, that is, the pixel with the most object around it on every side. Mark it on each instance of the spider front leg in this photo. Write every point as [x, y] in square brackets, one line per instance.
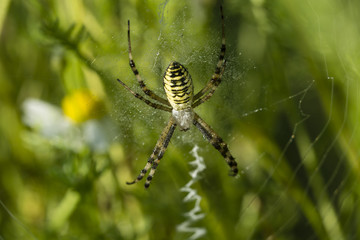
[220, 67]
[138, 96]
[143, 86]
[217, 142]
[206, 97]
[157, 153]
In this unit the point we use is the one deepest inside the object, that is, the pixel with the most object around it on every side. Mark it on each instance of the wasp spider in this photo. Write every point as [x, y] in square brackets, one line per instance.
[180, 102]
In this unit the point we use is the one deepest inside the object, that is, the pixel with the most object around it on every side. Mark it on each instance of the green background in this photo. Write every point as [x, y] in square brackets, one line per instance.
[287, 107]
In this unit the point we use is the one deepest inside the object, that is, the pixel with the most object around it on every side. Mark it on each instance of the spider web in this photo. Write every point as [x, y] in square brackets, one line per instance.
[317, 184]
[298, 176]
[329, 193]
[326, 196]
[194, 214]
[327, 188]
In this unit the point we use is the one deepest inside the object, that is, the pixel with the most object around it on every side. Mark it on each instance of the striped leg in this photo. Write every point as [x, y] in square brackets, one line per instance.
[217, 142]
[147, 91]
[216, 77]
[157, 153]
[206, 97]
[151, 104]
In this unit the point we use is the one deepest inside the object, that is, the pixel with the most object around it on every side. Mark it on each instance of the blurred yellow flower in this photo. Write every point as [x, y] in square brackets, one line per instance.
[82, 105]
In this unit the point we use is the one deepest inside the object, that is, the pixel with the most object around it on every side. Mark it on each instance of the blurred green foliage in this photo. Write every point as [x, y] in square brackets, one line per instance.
[287, 107]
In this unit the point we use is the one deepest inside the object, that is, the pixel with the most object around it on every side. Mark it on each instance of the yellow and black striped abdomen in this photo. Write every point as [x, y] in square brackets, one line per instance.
[178, 86]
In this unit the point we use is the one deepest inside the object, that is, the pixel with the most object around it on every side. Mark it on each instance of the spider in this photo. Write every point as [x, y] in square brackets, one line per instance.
[180, 102]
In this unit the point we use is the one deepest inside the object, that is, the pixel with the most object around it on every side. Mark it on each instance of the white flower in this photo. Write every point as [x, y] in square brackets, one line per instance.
[49, 121]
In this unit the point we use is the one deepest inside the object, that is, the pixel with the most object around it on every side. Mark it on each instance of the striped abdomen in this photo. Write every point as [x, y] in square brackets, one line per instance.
[179, 91]
[178, 86]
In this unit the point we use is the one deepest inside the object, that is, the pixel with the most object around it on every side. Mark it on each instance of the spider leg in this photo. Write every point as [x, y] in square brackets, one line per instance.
[206, 97]
[151, 104]
[217, 142]
[157, 153]
[147, 91]
[216, 77]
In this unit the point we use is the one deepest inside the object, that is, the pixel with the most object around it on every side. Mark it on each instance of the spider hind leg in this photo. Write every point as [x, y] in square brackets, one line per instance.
[157, 154]
[143, 171]
[217, 142]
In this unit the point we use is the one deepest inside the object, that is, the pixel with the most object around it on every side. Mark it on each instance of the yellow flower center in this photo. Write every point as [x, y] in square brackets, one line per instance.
[82, 105]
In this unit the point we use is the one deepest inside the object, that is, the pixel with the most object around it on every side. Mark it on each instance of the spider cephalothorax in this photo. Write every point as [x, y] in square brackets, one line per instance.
[180, 102]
